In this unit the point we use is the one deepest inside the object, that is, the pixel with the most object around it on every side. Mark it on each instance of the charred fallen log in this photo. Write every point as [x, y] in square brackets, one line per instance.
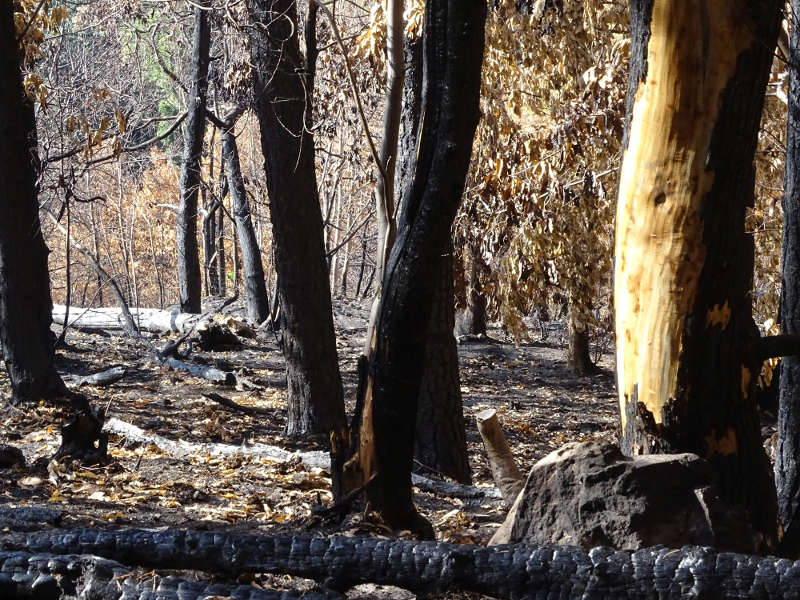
[62, 577]
[516, 571]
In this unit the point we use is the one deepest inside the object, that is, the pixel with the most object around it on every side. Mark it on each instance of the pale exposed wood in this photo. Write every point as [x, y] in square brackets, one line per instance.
[507, 477]
[691, 56]
[147, 319]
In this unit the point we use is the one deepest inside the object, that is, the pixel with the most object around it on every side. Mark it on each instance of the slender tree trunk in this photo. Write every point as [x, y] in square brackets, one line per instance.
[254, 285]
[787, 477]
[385, 185]
[25, 303]
[686, 340]
[220, 231]
[189, 276]
[283, 107]
[441, 442]
[454, 31]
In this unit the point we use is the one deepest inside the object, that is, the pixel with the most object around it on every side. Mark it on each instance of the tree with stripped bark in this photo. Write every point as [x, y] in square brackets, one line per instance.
[688, 351]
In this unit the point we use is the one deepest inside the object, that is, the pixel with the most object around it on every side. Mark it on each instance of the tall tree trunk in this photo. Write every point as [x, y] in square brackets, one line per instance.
[787, 477]
[440, 437]
[254, 285]
[686, 359]
[283, 108]
[454, 31]
[441, 441]
[25, 302]
[189, 276]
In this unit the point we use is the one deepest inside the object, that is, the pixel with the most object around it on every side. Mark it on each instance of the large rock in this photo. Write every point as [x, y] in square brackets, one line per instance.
[589, 494]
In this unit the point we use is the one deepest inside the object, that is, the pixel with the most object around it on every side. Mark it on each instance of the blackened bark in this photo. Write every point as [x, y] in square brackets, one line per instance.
[509, 571]
[220, 230]
[578, 356]
[210, 247]
[440, 442]
[25, 302]
[254, 285]
[283, 107]
[787, 477]
[189, 276]
[454, 32]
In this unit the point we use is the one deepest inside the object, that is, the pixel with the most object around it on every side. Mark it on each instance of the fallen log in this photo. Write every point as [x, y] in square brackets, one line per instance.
[102, 378]
[514, 571]
[153, 320]
[47, 576]
[204, 372]
[313, 458]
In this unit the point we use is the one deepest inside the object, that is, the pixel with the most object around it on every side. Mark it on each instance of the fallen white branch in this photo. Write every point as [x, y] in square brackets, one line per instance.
[110, 318]
[314, 459]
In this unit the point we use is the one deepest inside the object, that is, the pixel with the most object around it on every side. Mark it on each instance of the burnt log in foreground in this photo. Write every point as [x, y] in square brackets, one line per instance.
[513, 571]
[56, 577]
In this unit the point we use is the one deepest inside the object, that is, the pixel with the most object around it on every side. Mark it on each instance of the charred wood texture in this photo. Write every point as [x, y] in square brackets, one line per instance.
[514, 571]
[787, 476]
[283, 105]
[25, 301]
[189, 275]
[453, 52]
[440, 443]
[26, 576]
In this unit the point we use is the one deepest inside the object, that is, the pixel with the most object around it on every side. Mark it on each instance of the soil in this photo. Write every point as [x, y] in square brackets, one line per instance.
[540, 402]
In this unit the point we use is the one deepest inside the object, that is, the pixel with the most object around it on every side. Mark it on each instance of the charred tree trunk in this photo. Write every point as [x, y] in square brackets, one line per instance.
[189, 276]
[686, 359]
[254, 284]
[454, 31]
[441, 442]
[578, 356]
[472, 319]
[25, 302]
[283, 104]
[787, 477]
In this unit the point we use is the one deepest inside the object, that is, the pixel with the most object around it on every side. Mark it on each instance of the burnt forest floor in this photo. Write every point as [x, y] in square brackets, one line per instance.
[540, 402]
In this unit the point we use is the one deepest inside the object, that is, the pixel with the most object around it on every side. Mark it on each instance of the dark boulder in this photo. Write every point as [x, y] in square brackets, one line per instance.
[589, 494]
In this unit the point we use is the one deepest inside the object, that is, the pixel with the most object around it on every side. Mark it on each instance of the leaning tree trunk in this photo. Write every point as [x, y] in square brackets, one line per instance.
[686, 359]
[787, 477]
[189, 276]
[452, 75]
[440, 437]
[254, 284]
[282, 104]
[25, 303]
[441, 442]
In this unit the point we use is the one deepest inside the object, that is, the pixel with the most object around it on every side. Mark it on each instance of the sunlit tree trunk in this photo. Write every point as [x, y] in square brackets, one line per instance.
[189, 275]
[283, 107]
[687, 353]
[25, 303]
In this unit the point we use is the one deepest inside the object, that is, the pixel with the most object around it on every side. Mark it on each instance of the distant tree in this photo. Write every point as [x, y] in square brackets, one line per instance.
[254, 285]
[189, 275]
[688, 351]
